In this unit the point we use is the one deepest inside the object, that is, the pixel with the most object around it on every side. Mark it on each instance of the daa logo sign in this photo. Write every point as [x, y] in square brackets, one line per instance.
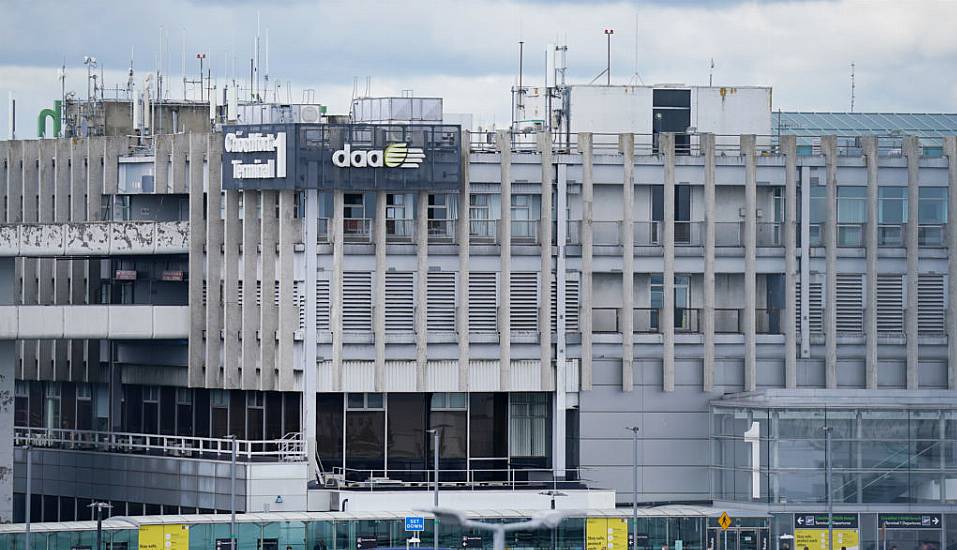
[395, 155]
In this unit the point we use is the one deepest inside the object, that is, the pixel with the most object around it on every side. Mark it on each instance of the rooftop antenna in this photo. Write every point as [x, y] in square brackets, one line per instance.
[636, 78]
[521, 67]
[711, 73]
[256, 68]
[852, 86]
[183, 62]
[608, 33]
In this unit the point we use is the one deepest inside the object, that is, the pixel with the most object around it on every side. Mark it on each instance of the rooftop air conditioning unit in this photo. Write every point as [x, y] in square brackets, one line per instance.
[309, 114]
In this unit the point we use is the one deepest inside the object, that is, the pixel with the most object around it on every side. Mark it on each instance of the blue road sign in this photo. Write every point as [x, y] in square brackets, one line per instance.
[414, 523]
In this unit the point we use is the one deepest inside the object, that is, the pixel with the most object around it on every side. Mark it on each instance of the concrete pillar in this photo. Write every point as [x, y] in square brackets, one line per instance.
[14, 181]
[96, 150]
[197, 261]
[232, 353]
[162, 147]
[950, 149]
[214, 264]
[289, 234]
[421, 287]
[178, 182]
[46, 205]
[504, 145]
[707, 312]
[559, 425]
[337, 278]
[269, 310]
[585, 148]
[463, 226]
[805, 231]
[829, 148]
[61, 268]
[8, 360]
[4, 167]
[78, 267]
[378, 279]
[912, 154]
[249, 344]
[30, 266]
[870, 312]
[547, 270]
[789, 148]
[310, 379]
[626, 145]
[666, 320]
[750, 262]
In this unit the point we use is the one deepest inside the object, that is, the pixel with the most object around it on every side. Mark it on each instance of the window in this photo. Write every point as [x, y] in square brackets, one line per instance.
[357, 401]
[851, 215]
[449, 401]
[931, 215]
[891, 215]
[682, 299]
[529, 424]
[353, 207]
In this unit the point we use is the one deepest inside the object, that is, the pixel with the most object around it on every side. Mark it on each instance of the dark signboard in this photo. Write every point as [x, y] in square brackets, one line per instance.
[819, 521]
[225, 544]
[366, 543]
[909, 521]
[471, 541]
[392, 157]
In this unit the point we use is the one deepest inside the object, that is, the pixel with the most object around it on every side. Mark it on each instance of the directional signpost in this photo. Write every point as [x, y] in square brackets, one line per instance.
[909, 521]
[810, 531]
[414, 523]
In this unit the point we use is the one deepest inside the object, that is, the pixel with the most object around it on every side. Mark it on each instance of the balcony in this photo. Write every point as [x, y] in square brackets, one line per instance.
[399, 231]
[932, 235]
[648, 320]
[727, 320]
[525, 231]
[689, 233]
[357, 230]
[647, 233]
[851, 235]
[890, 235]
[768, 321]
[770, 234]
[606, 320]
[483, 231]
[728, 234]
[441, 231]
[606, 233]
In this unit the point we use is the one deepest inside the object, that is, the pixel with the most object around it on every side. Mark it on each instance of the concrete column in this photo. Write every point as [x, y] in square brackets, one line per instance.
[378, 279]
[61, 268]
[114, 149]
[5, 165]
[750, 262]
[421, 287]
[504, 145]
[214, 264]
[707, 313]
[162, 147]
[96, 150]
[310, 382]
[829, 148]
[14, 181]
[30, 267]
[78, 267]
[585, 148]
[546, 269]
[462, 238]
[789, 148]
[666, 320]
[337, 260]
[178, 182]
[8, 360]
[950, 149]
[197, 261]
[805, 230]
[232, 352]
[912, 154]
[561, 402]
[870, 313]
[289, 234]
[268, 310]
[46, 292]
[250, 281]
[626, 145]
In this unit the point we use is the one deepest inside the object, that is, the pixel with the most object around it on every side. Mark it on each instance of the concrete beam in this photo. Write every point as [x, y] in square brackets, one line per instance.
[120, 322]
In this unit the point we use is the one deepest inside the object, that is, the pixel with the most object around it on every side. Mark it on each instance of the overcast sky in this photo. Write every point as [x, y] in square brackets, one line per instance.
[905, 52]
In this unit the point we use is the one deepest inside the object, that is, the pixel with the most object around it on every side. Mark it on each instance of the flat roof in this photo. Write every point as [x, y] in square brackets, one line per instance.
[817, 123]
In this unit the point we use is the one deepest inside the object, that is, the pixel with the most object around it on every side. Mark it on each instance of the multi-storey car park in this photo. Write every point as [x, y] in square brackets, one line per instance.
[726, 278]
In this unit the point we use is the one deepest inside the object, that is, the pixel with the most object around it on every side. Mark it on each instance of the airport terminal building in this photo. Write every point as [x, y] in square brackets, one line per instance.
[739, 284]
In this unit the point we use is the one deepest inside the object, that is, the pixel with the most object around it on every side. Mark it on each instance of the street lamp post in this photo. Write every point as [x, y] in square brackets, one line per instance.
[232, 494]
[830, 493]
[26, 535]
[99, 506]
[608, 33]
[435, 483]
[634, 485]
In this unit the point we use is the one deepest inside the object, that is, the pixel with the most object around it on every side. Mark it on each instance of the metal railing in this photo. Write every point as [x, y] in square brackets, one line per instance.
[727, 320]
[932, 235]
[606, 233]
[770, 234]
[728, 234]
[689, 233]
[399, 230]
[768, 321]
[289, 448]
[525, 231]
[647, 233]
[816, 234]
[322, 231]
[441, 231]
[507, 477]
[851, 235]
[889, 234]
[647, 320]
[483, 231]
[606, 320]
[357, 230]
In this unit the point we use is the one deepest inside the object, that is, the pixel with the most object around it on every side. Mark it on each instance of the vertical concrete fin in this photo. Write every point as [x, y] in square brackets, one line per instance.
[462, 238]
[421, 287]
[504, 145]
[626, 145]
[215, 229]
[870, 312]
[289, 234]
[378, 281]
[707, 317]
[585, 147]
[232, 352]
[197, 261]
[912, 154]
[950, 150]
[666, 144]
[547, 269]
[789, 148]
[337, 261]
[268, 309]
[750, 262]
[252, 291]
[829, 148]
[162, 149]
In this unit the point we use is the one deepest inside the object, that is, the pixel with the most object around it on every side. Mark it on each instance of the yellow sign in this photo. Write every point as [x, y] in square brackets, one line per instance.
[164, 537]
[606, 534]
[816, 539]
[724, 521]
